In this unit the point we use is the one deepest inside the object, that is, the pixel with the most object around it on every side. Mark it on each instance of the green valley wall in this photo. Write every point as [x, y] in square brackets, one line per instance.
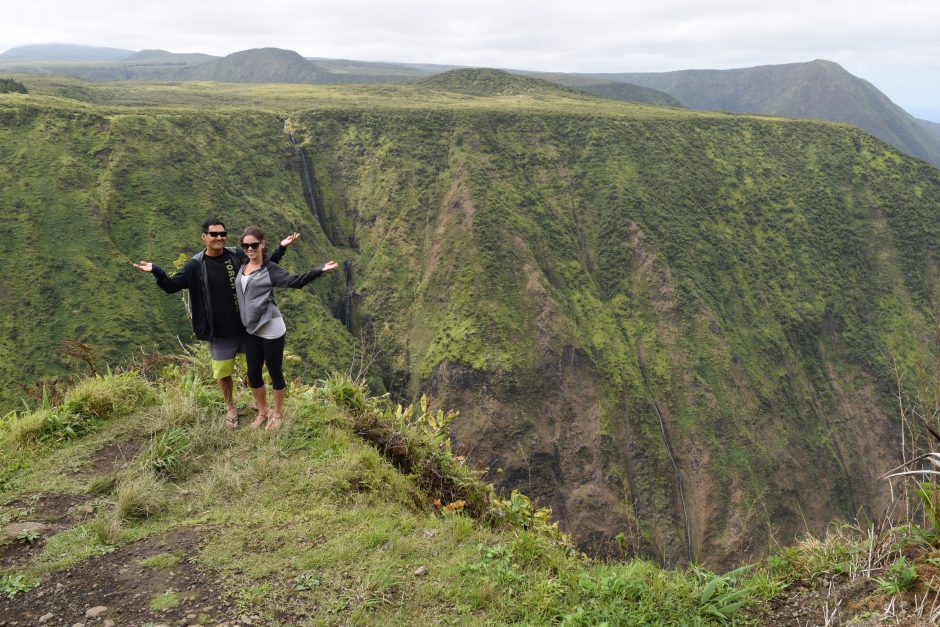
[674, 326]
[592, 293]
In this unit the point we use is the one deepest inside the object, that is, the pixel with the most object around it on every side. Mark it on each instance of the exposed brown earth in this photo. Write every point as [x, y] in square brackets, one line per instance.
[111, 458]
[118, 582]
[841, 600]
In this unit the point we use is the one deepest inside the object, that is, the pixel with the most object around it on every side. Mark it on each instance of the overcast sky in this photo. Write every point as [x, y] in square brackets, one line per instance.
[894, 44]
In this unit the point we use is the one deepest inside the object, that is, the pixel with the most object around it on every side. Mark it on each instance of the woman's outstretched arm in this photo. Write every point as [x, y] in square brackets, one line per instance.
[282, 278]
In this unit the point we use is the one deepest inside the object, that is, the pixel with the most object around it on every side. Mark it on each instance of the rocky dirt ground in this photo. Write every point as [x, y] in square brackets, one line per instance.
[840, 600]
[115, 589]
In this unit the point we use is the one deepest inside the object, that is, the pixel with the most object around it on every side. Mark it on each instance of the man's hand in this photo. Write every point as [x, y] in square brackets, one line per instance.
[330, 265]
[290, 239]
[144, 266]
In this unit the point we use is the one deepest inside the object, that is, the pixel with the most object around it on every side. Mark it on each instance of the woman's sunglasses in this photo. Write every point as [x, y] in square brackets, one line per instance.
[252, 245]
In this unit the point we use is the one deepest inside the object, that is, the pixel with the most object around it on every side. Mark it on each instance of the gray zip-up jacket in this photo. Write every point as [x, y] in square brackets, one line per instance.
[256, 300]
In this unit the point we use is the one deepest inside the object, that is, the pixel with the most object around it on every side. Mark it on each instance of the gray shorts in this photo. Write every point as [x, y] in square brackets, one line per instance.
[222, 348]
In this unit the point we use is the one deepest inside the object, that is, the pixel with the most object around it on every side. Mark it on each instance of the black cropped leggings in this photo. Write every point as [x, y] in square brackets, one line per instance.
[260, 352]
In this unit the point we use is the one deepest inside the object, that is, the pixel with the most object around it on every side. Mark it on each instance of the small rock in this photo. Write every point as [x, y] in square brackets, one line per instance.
[45, 618]
[11, 531]
[108, 623]
[86, 509]
[95, 612]
[79, 625]
[430, 533]
[421, 571]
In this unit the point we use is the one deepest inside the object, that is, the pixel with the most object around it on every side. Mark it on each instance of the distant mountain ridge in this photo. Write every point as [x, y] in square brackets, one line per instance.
[164, 57]
[260, 65]
[66, 52]
[934, 127]
[816, 89]
[486, 82]
[615, 90]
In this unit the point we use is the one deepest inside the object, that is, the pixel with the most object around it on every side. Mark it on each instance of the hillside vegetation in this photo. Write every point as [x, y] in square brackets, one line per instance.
[127, 500]
[676, 327]
[137, 487]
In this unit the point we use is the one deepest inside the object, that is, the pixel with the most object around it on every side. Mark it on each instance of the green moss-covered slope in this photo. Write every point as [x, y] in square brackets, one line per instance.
[681, 327]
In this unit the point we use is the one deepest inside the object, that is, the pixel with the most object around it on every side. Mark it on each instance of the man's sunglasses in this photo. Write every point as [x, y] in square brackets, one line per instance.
[216, 233]
[252, 245]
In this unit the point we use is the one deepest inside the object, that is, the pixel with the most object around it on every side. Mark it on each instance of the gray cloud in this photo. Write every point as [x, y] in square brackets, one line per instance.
[893, 45]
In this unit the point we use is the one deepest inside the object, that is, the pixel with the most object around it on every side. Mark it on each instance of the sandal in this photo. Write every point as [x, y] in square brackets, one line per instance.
[231, 421]
[262, 416]
[274, 421]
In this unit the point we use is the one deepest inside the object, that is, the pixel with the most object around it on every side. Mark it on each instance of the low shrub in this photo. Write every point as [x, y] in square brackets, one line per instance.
[168, 454]
[106, 527]
[102, 484]
[109, 396]
[139, 497]
[11, 585]
[43, 425]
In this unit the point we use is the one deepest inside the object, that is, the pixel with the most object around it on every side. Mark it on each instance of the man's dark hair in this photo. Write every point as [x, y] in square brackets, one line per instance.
[212, 220]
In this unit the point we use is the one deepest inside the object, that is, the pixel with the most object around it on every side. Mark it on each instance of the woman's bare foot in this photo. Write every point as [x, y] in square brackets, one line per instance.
[274, 421]
[262, 416]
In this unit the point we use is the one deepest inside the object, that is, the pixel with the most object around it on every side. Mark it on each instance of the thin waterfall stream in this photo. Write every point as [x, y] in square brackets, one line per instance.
[311, 197]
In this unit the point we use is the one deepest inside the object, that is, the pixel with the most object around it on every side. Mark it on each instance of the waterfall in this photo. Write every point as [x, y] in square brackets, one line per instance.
[307, 179]
[311, 196]
[350, 293]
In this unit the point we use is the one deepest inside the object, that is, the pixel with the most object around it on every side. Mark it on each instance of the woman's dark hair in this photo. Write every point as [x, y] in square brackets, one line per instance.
[255, 232]
[210, 221]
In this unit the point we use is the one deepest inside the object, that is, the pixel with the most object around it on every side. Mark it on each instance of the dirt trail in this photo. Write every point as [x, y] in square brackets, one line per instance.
[118, 582]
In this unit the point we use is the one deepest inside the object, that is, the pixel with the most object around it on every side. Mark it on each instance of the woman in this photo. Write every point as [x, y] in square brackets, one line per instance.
[264, 326]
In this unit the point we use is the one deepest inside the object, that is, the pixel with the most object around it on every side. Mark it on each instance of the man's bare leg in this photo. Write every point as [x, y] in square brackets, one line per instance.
[231, 413]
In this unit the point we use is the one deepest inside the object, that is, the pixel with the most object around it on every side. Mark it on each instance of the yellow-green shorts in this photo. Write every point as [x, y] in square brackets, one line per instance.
[222, 368]
[225, 351]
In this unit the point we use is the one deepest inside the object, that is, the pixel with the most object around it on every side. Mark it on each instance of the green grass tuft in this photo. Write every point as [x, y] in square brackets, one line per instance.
[165, 601]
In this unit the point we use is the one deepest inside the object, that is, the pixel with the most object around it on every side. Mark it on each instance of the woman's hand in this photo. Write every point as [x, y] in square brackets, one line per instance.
[144, 266]
[290, 239]
[330, 265]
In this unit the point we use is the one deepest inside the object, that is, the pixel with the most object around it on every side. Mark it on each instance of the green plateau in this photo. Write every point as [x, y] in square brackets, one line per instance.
[682, 329]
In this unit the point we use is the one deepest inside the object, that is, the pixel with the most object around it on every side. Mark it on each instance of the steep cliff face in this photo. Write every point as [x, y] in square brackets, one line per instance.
[678, 330]
[680, 327]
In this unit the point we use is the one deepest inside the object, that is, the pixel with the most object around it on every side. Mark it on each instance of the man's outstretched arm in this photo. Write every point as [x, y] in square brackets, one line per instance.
[169, 284]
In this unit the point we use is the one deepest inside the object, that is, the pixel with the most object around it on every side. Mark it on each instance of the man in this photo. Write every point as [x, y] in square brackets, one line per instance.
[210, 278]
